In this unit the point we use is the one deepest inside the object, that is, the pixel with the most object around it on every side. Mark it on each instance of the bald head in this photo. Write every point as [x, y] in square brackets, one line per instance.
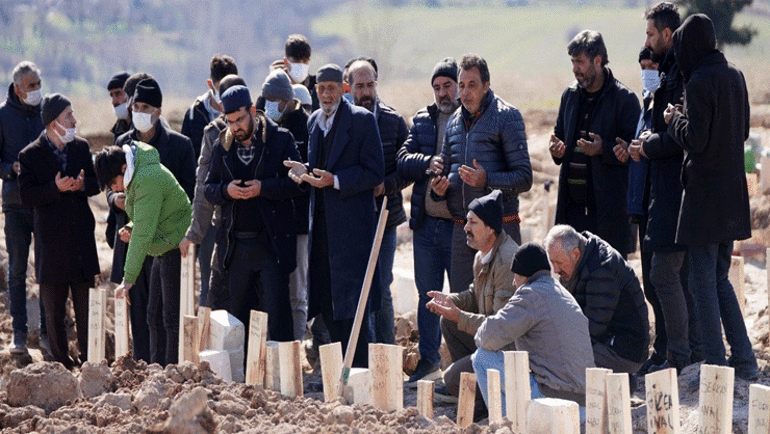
[363, 84]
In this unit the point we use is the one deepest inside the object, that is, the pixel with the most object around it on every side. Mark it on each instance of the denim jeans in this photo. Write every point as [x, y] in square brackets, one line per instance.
[382, 326]
[483, 360]
[637, 177]
[432, 257]
[205, 252]
[18, 237]
[715, 299]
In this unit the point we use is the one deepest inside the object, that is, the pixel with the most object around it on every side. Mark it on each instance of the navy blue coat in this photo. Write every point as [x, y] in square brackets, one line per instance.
[616, 115]
[20, 125]
[275, 204]
[414, 159]
[356, 159]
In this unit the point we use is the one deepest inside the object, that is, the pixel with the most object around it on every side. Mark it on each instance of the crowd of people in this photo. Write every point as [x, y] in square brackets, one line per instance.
[281, 193]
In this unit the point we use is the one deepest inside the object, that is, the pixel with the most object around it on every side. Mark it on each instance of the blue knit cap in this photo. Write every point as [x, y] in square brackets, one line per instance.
[236, 97]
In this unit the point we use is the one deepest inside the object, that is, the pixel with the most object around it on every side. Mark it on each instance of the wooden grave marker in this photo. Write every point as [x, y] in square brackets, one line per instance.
[331, 368]
[752, 181]
[272, 366]
[494, 395]
[467, 400]
[596, 401]
[204, 325]
[359, 388]
[291, 369]
[192, 339]
[759, 409]
[425, 398]
[386, 365]
[518, 393]
[737, 278]
[662, 396]
[553, 416]
[97, 305]
[715, 403]
[255, 359]
[764, 175]
[618, 404]
[122, 344]
[186, 292]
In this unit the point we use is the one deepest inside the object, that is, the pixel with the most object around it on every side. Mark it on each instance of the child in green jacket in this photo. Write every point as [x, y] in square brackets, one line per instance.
[160, 215]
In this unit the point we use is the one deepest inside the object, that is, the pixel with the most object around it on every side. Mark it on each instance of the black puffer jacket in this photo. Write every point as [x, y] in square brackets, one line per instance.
[414, 159]
[393, 133]
[609, 293]
[665, 163]
[498, 142]
[711, 130]
[20, 125]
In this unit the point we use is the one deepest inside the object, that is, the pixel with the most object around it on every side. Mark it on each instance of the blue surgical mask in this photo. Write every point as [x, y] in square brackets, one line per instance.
[272, 111]
[650, 79]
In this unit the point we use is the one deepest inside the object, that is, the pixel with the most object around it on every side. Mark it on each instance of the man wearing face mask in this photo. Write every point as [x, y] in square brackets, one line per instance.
[362, 78]
[297, 61]
[57, 177]
[283, 108]
[176, 151]
[208, 106]
[676, 344]
[119, 103]
[430, 219]
[19, 125]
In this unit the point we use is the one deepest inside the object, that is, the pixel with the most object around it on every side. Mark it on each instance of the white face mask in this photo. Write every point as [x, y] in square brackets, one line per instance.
[69, 133]
[121, 111]
[299, 72]
[272, 111]
[142, 121]
[650, 79]
[33, 97]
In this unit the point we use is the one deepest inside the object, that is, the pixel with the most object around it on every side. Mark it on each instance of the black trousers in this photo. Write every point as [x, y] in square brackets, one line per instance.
[139, 296]
[163, 308]
[55, 303]
[256, 283]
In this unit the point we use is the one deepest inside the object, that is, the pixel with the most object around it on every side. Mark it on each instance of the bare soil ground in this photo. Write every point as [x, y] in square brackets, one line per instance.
[42, 397]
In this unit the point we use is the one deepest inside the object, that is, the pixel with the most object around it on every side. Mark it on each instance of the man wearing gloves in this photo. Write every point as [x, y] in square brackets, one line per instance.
[543, 319]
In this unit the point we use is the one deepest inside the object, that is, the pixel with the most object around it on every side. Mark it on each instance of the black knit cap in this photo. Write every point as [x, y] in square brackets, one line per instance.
[489, 209]
[148, 92]
[52, 106]
[447, 67]
[529, 259]
[329, 72]
[118, 80]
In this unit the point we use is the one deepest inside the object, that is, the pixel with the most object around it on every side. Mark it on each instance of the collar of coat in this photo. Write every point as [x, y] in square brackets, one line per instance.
[226, 138]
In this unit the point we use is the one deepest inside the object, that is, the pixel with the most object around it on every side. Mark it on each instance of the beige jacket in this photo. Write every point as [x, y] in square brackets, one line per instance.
[491, 288]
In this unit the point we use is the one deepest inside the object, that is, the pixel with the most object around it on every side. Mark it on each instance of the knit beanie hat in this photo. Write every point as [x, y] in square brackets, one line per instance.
[489, 209]
[236, 97]
[529, 259]
[277, 85]
[447, 67]
[148, 92]
[329, 72]
[118, 80]
[52, 106]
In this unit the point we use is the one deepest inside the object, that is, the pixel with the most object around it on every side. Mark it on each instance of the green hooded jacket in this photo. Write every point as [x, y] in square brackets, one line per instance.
[158, 207]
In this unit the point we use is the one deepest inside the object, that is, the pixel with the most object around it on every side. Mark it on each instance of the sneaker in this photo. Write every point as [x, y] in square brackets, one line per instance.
[425, 370]
[19, 345]
[440, 394]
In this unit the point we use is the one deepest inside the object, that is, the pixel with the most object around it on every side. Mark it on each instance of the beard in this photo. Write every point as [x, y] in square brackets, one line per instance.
[242, 135]
[366, 102]
[447, 106]
[329, 110]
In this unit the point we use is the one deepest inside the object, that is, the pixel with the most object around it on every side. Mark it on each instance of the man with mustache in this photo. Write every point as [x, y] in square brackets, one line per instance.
[607, 290]
[485, 148]
[596, 114]
[430, 219]
[462, 313]
[362, 78]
